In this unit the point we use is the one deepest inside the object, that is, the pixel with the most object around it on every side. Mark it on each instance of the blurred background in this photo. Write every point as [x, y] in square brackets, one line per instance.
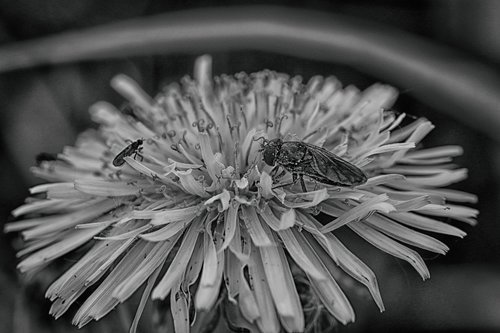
[44, 107]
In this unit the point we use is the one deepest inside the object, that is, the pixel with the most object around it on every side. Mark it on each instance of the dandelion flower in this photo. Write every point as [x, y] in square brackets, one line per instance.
[190, 210]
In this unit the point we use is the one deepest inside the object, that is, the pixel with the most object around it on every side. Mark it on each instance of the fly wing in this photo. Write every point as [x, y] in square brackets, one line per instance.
[327, 167]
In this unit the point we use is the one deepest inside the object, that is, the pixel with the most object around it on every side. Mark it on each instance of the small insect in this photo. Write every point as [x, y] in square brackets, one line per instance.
[43, 157]
[133, 148]
[304, 159]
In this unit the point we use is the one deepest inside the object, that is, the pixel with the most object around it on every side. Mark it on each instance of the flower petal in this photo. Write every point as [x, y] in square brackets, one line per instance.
[179, 309]
[294, 248]
[390, 246]
[49, 224]
[223, 197]
[268, 320]
[428, 224]
[211, 277]
[150, 262]
[230, 224]
[214, 167]
[255, 228]
[144, 298]
[167, 232]
[71, 241]
[377, 203]
[190, 184]
[179, 263]
[306, 199]
[406, 235]
[355, 267]
[247, 301]
[327, 289]
[101, 301]
[105, 188]
[280, 281]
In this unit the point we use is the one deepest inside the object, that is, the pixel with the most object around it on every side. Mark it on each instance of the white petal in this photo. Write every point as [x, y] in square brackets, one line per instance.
[268, 321]
[148, 265]
[105, 188]
[406, 235]
[166, 233]
[268, 216]
[144, 298]
[246, 300]
[287, 219]
[306, 199]
[50, 224]
[428, 224]
[230, 224]
[175, 215]
[195, 264]
[58, 249]
[223, 197]
[179, 309]
[356, 268]
[255, 228]
[179, 264]
[328, 290]
[266, 184]
[126, 235]
[129, 89]
[377, 203]
[210, 264]
[211, 278]
[101, 301]
[214, 167]
[190, 184]
[276, 268]
[293, 242]
[390, 246]
[435, 152]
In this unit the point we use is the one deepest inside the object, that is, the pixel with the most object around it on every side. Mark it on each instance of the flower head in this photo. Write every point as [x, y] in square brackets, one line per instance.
[174, 193]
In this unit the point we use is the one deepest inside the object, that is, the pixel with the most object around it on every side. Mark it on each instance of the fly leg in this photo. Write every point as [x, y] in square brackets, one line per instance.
[138, 153]
[295, 177]
[302, 183]
[282, 173]
[274, 170]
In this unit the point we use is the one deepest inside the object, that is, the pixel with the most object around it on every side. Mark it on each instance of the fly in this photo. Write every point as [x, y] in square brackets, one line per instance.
[132, 149]
[43, 157]
[304, 159]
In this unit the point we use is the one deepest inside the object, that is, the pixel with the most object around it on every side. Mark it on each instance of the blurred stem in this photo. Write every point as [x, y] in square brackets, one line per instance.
[436, 75]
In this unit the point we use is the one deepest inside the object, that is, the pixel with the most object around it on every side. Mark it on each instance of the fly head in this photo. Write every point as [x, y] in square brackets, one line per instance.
[270, 150]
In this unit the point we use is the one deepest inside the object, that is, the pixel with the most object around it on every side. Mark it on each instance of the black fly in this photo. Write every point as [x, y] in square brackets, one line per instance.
[43, 157]
[303, 159]
[133, 148]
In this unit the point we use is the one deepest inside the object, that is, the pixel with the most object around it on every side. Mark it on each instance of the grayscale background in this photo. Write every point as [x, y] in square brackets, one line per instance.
[43, 108]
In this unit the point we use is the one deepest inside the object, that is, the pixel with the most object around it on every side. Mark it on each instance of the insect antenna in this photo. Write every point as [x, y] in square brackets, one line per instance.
[263, 143]
[264, 140]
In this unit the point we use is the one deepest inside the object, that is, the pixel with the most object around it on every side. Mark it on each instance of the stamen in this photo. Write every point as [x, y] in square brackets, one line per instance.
[184, 138]
[237, 156]
[269, 124]
[243, 115]
[209, 127]
[174, 147]
[280, 121]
